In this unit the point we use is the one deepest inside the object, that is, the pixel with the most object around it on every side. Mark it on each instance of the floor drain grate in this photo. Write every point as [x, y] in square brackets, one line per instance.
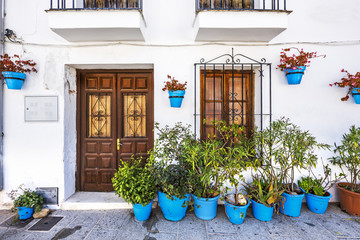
[12, 223]
[45, 224]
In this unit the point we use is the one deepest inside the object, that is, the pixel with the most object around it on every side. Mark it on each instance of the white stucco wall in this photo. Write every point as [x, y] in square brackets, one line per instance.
[43, 154]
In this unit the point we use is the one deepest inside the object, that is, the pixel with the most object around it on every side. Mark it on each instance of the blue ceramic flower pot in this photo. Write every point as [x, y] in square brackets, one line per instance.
[25, 212]
[236, 214]
[14, 80]
[294, 76]
[176, 98]
[262, 212]
[317, 204]
[205, 208]
[173, 210]
[141, 212]
[356, 95]
[292, 204]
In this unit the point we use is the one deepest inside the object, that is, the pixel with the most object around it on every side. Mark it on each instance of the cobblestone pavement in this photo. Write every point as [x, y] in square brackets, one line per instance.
[121, 224]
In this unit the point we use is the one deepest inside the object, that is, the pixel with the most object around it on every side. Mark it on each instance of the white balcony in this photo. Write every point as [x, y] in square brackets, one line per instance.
[89, 25]
[240, 25]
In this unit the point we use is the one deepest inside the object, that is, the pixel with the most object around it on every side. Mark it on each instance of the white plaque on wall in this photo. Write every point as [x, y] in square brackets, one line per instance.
[41, 108]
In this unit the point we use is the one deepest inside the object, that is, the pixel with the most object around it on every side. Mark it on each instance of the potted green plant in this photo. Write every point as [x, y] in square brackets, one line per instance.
[316, 189]
[13, 70]
[294, 65]
[349, 162]
[176, 91]
[135, 183]
[351, 81]
[237, 152]
[294, 149]
[265, 189]
[170, 172]
[26, 202]
[203, 159]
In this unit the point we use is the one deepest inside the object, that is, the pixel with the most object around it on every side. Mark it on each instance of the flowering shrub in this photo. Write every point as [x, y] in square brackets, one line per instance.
[15, 64]
[295, 61]
[174, 85]
[351, 81]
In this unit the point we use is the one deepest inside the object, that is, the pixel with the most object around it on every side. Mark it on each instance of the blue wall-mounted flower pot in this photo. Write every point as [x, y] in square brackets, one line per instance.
[292, 204]
[205, 208]
[141, 212]
[14, 80]
[317, 204]
[176, 98]
[236, 214]
[294, 76]
[173, 210]
[356, 95]
[262, 212]
[25, 212]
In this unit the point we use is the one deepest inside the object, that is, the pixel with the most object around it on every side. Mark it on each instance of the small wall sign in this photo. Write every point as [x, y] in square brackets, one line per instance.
[41, 108]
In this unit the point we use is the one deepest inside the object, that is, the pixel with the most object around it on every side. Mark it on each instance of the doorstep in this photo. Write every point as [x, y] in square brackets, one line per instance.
[95, 201]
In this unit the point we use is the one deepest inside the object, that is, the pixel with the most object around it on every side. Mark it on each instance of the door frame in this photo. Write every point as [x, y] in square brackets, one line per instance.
[78, 111]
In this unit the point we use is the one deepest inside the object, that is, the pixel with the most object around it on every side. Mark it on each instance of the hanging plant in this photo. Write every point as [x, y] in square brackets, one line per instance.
[294, 65]
[176, 91]
[13, 70]
[351, 81]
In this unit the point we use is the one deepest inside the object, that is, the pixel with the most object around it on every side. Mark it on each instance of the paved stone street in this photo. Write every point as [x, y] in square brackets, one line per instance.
[120, 224]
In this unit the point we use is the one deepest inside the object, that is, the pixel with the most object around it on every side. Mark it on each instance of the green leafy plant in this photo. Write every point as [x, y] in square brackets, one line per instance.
[319, 185]
[293, 149]
[24, 197]
[203, 159]
[237, 152]
[134, 181]
[15, 64]
[348, 157]
[169, 170]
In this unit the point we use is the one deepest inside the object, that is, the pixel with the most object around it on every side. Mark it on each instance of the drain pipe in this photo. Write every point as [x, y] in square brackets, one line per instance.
[2, 11]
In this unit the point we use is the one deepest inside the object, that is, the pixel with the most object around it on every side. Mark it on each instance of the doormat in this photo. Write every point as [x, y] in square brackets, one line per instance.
[45, 224]
[12, 223]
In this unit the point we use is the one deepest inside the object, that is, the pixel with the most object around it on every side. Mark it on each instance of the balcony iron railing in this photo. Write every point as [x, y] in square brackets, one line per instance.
[241, 5]
[95, 4]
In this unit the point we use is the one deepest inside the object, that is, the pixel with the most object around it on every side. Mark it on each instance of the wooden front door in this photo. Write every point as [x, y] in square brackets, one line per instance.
[115, 122]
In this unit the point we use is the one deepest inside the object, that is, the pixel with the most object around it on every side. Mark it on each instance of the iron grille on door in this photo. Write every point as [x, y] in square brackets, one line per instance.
[134, 117]
[233, 90]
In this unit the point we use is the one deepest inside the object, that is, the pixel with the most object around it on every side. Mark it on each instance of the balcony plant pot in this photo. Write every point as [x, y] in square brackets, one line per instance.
[236, 214]
[291, 205]
[14, 80]
[356, 95]
[349, 201]
[176, 98]
[317, 204]
[25, 212]
[262, 212]
[205, 208]
[173, 209]
[294, 76]
[142, 213]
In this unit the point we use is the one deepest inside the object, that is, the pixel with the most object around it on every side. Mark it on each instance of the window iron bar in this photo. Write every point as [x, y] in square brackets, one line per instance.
[243, 5]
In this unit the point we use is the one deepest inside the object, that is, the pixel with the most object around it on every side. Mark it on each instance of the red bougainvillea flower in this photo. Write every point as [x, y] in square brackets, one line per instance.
[15, 64]
[294, 61]
[351, 81]
[173, 85]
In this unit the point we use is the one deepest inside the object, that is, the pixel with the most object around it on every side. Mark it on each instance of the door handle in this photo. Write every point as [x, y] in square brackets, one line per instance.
[118, 144]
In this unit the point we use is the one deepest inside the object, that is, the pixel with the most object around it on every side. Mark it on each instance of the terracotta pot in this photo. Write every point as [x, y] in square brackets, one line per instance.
[349, 201]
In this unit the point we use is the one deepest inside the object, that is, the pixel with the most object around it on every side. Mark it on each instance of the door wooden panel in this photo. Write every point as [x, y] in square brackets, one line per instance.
[113, 106]
[135, 93]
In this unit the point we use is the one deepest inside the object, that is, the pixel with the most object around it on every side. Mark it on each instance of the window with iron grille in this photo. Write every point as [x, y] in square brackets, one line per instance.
[233, 88]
